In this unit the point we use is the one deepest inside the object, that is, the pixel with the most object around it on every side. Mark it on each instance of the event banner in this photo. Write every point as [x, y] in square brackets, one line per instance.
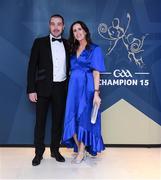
[128, 32]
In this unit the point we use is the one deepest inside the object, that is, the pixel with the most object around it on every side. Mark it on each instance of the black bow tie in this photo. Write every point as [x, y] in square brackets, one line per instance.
[54, 39]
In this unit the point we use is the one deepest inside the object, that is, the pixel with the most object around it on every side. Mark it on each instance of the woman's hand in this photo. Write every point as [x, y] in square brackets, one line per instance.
[96, 99]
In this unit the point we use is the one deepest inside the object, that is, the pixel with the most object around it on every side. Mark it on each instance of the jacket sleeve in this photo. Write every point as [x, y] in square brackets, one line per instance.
[32, 67]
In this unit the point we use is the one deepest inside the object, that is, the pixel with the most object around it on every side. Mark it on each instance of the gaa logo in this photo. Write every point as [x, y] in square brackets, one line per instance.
[122, 73]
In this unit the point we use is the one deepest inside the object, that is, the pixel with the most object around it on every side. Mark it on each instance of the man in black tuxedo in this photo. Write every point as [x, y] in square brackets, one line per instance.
[47, 83]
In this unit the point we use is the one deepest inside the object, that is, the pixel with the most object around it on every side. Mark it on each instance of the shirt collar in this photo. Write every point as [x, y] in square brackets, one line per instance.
[51, 36]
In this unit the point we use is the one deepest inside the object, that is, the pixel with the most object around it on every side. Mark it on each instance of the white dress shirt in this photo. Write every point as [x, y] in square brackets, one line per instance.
[59, 60]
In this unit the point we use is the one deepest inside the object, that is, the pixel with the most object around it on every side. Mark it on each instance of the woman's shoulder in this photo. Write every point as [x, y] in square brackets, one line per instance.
[95, 47]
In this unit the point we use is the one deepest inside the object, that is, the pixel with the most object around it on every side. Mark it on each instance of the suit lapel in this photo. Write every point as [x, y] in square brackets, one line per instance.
[66, 52]
[66, 48]
[49, 46]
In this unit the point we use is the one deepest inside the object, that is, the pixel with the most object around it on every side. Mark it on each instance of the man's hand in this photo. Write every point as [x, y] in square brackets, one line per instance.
[33, 97]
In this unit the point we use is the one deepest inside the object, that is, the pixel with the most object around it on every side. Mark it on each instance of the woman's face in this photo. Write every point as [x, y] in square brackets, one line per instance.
[78, 32]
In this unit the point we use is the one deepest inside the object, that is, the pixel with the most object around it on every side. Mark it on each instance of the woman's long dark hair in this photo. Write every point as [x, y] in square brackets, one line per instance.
[74, 44]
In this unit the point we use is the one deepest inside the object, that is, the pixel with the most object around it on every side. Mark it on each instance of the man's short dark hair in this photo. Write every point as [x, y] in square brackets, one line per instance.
[57, 15]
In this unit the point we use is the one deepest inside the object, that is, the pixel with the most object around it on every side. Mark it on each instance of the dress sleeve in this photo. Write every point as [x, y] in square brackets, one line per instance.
[97, 60]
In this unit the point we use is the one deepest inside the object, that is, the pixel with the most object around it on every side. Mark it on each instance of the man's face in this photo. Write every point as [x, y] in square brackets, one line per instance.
[56, 26]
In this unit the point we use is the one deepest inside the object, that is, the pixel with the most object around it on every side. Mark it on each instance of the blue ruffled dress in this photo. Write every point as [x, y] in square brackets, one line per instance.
[80, 101]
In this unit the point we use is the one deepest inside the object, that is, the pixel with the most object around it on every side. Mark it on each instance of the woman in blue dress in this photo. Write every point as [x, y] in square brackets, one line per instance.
[83, 92]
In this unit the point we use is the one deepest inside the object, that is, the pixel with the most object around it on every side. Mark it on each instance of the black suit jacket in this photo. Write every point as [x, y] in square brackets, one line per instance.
[40, 68]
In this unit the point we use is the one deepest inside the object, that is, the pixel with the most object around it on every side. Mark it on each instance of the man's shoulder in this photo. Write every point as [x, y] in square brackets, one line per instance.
[65, 40]
[66, 43]
[42, 39]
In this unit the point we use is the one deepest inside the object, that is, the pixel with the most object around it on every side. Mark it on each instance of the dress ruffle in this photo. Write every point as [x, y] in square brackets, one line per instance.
[93, 143]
